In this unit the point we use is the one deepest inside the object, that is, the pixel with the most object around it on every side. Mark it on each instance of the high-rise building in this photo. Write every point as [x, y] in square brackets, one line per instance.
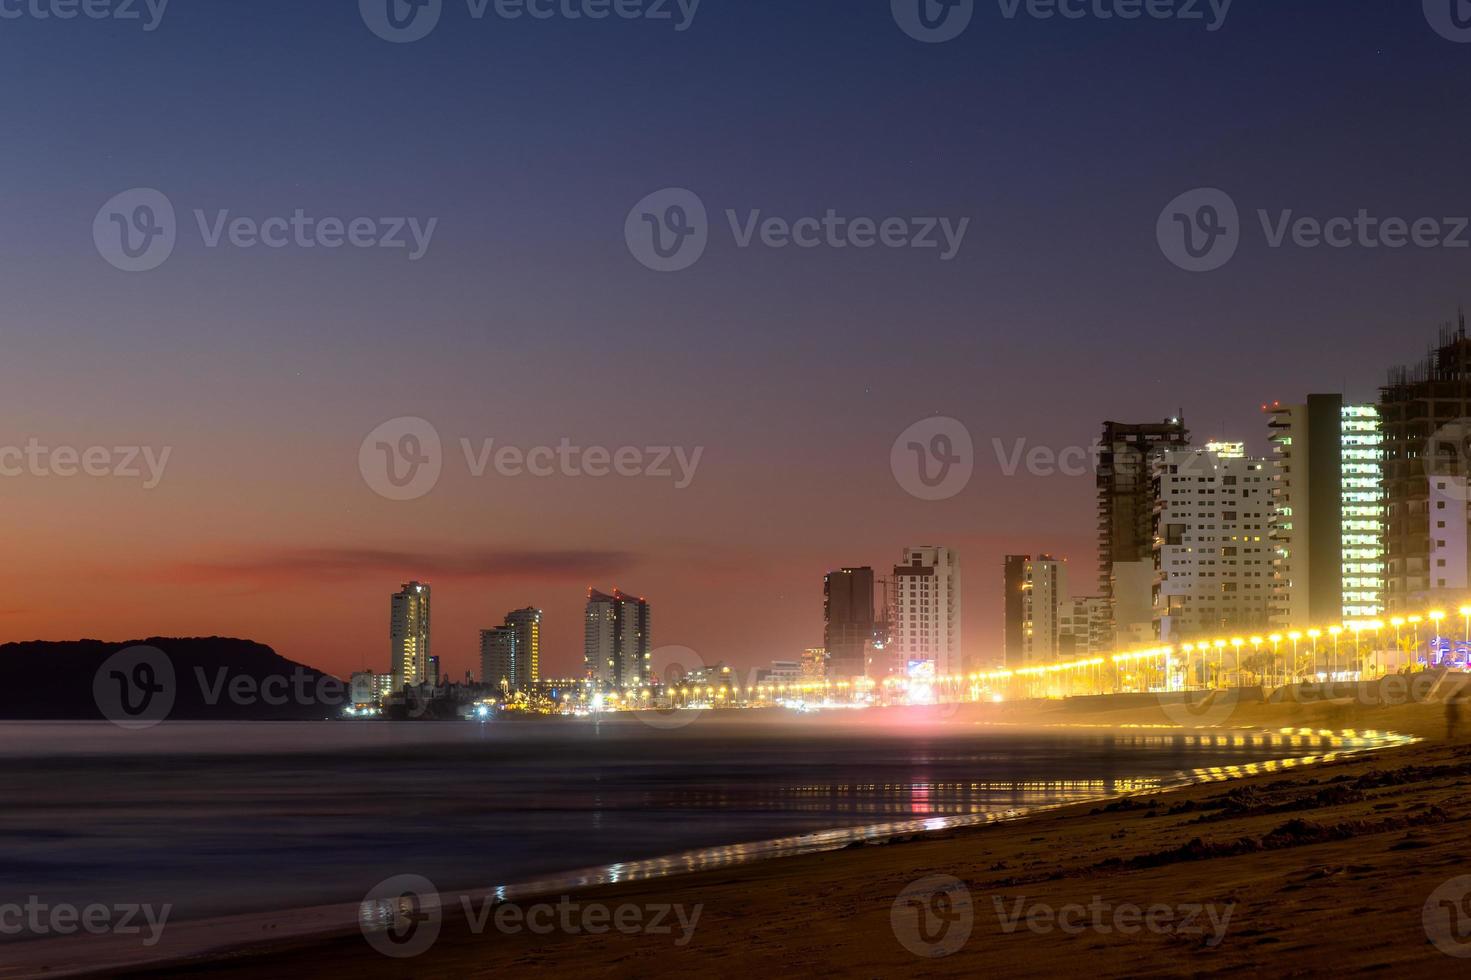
[1036, 598]
[615, 648]
[1126, 520]
[1084, 629]
[1213, 554]
[926, 615]
[498, 658]
[408, 635]
[1328, 512]
[814, 664]
[1422, 410]
[1014, 609]
[848, 621]
[527, 669]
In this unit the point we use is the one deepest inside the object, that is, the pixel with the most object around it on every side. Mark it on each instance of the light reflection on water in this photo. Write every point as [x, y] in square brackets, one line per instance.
[225, 819]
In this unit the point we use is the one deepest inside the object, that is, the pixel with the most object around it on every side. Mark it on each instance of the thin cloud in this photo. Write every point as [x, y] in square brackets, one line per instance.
[322, 564]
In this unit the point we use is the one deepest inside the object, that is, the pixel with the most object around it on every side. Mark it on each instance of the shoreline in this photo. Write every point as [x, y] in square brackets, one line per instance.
[790, 880]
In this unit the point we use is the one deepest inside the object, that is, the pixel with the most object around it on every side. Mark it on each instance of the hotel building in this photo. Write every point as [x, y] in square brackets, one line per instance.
[926, 614]
[1328, 512]
[615, 648]
[408, 635]
[1213, 556]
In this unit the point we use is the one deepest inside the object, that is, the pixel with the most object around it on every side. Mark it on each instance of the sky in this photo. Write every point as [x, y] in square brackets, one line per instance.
[530, 319]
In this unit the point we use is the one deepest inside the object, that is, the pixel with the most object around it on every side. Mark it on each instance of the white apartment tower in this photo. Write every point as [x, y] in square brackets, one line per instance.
[1044, 602]
[1329, 517]
[408, 635]
[925, 615]
[1213, 556]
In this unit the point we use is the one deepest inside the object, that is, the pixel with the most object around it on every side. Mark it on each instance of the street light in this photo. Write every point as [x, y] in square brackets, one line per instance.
[1276, 640]
[1220, 653]
[1436, 616]
[1294, 636]
[1237, 643]
[1335, 631]
[1313, 634]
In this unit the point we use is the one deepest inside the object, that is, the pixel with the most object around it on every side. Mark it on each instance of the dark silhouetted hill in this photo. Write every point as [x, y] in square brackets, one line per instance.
[213, 678]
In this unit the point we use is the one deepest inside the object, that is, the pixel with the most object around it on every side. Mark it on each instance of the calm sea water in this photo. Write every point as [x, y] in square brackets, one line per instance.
[226, 818]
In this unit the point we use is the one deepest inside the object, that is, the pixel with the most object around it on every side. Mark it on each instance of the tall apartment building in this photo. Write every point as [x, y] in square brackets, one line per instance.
[1084, 629]
[847, 620]
[1213, 555]
[498, 658]
[1328, 517]
[1014, 609]
[926, 612]
[408, 635]
[616, 649]
[1423, 410]
[1125, 484]
[527, 624]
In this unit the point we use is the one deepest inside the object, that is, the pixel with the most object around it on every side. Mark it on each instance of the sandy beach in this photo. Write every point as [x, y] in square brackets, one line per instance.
[1347, 865]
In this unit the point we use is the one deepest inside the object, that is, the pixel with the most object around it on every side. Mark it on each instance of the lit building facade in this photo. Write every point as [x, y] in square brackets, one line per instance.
[1213, 556]
[1328, 514]
[926, 612]
[408, 635]
[498, 658]
[1126, 498]
[1038, 589]
[848, 626]
[616, 648]
[527, 668]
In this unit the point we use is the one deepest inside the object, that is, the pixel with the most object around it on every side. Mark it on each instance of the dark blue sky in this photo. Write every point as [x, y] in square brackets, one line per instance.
[530, 141]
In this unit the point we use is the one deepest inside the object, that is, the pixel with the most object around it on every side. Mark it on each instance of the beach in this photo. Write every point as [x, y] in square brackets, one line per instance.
[1304, 868]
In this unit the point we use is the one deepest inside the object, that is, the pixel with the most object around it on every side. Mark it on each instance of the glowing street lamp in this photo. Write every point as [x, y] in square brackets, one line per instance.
[1275, 639]
[1294, 636]
[1334, 631]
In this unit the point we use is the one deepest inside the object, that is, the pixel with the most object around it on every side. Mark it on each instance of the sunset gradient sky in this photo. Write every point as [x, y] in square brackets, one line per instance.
[528, 321]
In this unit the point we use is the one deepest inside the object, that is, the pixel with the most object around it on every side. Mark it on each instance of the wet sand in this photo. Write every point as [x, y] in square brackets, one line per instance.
[1326, 868]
